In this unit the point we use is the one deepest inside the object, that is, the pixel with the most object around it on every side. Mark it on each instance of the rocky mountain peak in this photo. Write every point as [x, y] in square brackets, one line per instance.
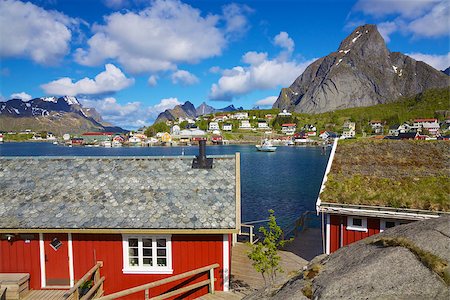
[362, 72]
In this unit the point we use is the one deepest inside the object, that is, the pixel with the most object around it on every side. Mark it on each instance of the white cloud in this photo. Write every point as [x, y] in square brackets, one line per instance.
[155, 39]
[215, 69]
[152, 80]
[419, 18]
[32, 32]
[405, 8]
[439, 62]
[284, 41]
[22, 95]
[131, 115]
[236, 21]
[268, 101]
[108, 81]
[435, 23]
[261, 73]
[184, 77]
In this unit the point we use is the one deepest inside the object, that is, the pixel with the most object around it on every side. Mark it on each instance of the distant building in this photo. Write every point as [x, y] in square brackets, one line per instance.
[431, 125]
[213, 126]
[166, 137]
[240, 115]
[285, 113]
[408, 135]
[97, 137]
[227, 127]
[263, 125]
[327, 135]
[349, 130]
[175, 130]
[221, 118]
[394, 130]
[77, 142]
[377, 126]
[245, 124]
[288, 128]
[268, 117]
[1, 137]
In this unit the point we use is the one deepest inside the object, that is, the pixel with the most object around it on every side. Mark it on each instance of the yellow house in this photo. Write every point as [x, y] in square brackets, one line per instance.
[166, 137]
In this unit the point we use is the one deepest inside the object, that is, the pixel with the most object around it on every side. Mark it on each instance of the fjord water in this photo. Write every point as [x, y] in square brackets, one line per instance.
[287, 181]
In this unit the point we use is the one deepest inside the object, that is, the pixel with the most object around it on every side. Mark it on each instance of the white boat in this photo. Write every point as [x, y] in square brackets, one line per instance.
[107, 144]
[266, 146]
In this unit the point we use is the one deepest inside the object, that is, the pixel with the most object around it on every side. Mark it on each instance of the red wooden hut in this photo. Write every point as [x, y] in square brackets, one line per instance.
[369, 186]
[143, 218]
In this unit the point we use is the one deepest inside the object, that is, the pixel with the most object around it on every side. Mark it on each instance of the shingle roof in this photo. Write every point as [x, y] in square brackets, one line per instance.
[117, 193]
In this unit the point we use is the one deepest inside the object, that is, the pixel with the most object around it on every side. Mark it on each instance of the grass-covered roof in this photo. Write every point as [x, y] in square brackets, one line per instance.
[400, 174]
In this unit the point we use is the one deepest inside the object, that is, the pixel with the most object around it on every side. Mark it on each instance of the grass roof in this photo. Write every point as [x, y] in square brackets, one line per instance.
[400, 174]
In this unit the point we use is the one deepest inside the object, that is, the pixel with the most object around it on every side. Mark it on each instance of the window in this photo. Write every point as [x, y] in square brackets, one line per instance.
[147, 254]
[385, 224]
[357, 224]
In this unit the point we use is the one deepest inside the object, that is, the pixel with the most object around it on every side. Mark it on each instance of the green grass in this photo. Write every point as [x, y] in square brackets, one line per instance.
[17, 137]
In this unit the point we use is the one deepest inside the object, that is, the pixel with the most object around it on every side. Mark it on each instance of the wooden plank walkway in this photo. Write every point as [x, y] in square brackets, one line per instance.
[222, 296]
[45, 295]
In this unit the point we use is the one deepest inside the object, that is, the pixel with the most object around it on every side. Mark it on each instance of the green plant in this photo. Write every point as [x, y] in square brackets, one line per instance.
[264, 256]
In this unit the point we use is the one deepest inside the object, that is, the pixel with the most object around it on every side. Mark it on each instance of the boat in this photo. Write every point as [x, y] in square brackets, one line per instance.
[266, 146]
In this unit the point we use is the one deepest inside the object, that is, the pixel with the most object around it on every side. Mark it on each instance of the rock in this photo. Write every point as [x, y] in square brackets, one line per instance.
[362, 72]
[368, 270]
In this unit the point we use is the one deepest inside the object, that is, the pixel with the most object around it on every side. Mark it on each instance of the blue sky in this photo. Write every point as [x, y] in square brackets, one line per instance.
[131, 59]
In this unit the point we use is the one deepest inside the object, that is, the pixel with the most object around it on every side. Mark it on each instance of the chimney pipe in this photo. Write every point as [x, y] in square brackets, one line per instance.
[201, 161]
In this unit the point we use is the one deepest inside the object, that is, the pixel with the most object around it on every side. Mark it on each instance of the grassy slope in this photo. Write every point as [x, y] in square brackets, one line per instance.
[402, 174]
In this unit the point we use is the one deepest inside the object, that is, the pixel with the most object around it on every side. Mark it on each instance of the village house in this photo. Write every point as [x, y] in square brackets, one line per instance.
[268, 117]
[327, 135]
[221, 118]
[359, 199]
[175, 130]
[136, 219]
[377, 126]
[284, 113]
[288, 128]
[245, 124]
[1, 137]
[240, 115]
[348, 131]
[213, 126]
[263, 125]
[97, 137]
[431, 126]
[227, 127]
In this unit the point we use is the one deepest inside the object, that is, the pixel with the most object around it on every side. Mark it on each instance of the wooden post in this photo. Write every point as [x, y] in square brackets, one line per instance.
[147, 294]
[76, 295]
[211, 280]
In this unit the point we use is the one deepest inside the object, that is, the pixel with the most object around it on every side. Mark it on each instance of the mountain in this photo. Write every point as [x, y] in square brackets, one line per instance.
[187, 110]
[58, 115]
[446, 71]
[361, 72]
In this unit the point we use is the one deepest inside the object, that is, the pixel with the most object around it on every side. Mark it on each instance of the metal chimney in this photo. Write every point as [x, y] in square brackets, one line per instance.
[201, 161]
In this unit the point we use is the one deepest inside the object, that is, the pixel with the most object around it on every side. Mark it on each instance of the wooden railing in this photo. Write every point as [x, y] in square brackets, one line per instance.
[146, 287]
[248, 230]
[96, 289]
[300, 224]
[2, 293]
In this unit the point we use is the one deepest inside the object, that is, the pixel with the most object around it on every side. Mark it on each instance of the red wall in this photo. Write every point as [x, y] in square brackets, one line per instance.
[349, 236]
[21, 257]
[189, 252]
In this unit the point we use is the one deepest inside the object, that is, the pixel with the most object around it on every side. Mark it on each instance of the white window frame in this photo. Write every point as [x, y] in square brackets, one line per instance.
[350, 225]
[127, 269]
[383, 224]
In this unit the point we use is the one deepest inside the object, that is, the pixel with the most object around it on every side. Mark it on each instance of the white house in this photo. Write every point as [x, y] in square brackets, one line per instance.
[240, 115]
[227, 127]
[432, 125]
[263, 125]
[1, 138]
[213, 126]
[349, 130]
[377, 126]
[220, 118]
[175, 130]
[288, 128]
[245, 124]
[285, 113]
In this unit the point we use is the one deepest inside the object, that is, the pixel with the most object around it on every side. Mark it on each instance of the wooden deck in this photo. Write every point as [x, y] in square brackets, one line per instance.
[222, 296]
[45, 295]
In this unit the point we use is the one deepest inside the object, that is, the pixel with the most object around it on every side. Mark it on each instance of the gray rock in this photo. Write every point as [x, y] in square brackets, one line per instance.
[362, 72]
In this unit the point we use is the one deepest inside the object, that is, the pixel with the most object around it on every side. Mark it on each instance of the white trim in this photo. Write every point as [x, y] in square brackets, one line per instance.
[325, 177]
[341, 234]
[146, 270]
[226, 263]
[42, 260]
[70, 250]
[383, 223]
[328, 235]
[351, 226]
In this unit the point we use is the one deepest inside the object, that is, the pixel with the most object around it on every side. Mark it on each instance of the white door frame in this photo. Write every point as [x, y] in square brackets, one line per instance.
[42, 259]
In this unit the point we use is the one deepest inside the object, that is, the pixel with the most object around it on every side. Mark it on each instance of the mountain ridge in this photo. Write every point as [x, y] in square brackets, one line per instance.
[361, 72]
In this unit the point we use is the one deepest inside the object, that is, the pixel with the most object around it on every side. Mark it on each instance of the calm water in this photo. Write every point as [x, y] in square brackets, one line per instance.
[287, 181]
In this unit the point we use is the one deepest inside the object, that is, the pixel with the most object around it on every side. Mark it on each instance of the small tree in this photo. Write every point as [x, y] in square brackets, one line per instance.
[264, 255]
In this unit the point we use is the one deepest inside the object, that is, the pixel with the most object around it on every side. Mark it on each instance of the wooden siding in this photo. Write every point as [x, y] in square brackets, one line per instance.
[349, 236]
[189, 252]
[21, 257]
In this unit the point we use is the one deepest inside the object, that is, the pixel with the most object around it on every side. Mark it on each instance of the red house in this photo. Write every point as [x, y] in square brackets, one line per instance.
[144, 218]
[373, 185]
